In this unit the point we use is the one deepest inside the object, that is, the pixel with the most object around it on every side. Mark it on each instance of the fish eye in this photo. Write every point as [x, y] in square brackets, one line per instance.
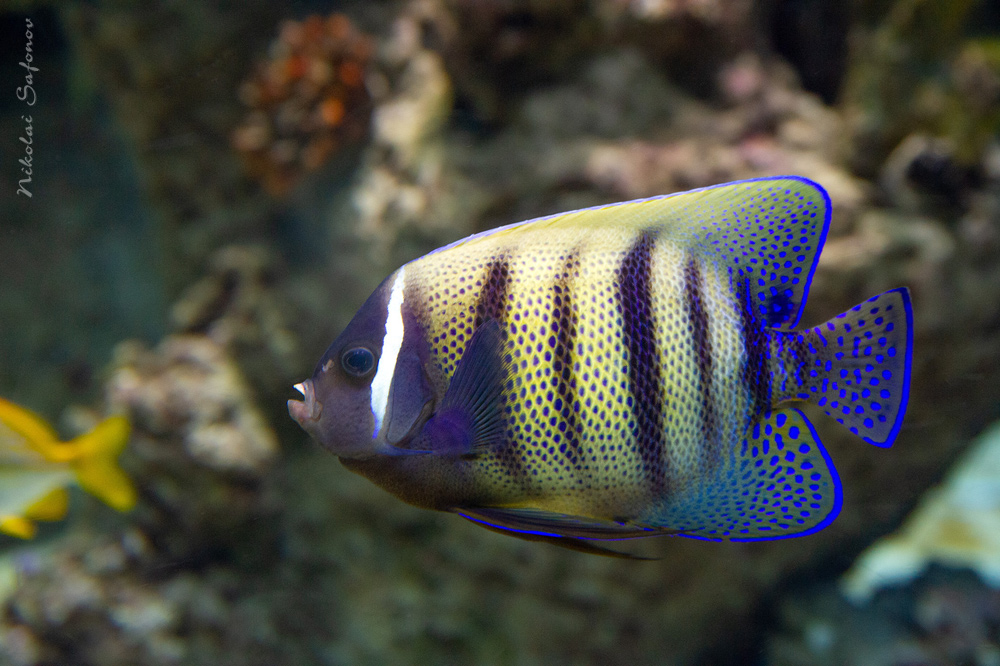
[357, 361]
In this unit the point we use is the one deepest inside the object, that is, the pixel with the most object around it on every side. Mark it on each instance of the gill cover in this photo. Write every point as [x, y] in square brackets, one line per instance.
[410, 398]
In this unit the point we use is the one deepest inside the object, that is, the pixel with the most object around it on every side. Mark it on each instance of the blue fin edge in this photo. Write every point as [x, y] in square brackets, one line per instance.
[820, 244]
[480, 521]
[907, 371]
[838, 493]
[507, 528]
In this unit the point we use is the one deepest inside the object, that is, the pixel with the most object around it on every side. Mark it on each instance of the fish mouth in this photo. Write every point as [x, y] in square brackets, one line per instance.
[307, 411]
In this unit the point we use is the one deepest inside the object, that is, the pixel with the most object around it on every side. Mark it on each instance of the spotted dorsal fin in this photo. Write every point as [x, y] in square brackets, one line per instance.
[768, 231]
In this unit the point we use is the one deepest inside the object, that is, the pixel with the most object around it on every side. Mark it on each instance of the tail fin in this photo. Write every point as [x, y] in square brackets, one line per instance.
[18, 526]
[857, 366]
[96, 463]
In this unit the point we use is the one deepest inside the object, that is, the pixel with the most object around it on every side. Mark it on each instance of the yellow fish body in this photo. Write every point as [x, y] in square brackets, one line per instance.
[621, 371]
[36, 468]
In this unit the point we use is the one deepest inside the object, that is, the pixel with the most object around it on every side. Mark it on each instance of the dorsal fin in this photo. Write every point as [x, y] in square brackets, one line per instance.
[767, 230]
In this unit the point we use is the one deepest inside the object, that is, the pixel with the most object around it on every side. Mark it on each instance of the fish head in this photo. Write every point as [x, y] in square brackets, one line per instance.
[369, 393]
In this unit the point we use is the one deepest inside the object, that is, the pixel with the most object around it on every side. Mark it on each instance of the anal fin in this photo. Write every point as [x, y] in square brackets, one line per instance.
[781, 483]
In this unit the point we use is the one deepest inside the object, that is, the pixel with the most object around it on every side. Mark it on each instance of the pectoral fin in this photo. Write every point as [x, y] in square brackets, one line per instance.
[470, 417]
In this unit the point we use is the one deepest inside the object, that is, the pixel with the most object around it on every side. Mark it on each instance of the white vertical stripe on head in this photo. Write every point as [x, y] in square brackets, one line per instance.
[391, 344]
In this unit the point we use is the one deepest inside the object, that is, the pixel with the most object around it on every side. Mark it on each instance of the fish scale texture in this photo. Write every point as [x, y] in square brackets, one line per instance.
[614, 401]
[566, 403]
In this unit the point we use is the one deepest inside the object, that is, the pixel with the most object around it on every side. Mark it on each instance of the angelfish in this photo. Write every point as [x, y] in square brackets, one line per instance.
[620, 371]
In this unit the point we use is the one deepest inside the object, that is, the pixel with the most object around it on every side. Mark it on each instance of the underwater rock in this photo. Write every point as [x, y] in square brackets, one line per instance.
[496, 50]
[307, 101]
[956, 524]
[915, 67]
[242, 304]
[408, 184]
[943, 618]
[112, 600]
[202, 453]
[689, 40]
[922, 174]
[613, 95]
[189, 389]
[769, 126]
[706, 10]
[232, 302]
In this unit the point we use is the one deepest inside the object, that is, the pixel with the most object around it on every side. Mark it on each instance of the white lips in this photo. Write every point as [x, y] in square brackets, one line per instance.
[309, 408]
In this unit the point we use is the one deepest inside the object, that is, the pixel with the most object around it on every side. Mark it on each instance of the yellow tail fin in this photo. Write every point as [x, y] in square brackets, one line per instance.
[17, 526]
[96, 463]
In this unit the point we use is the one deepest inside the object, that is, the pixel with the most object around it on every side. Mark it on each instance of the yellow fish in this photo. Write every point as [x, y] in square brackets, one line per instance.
[35, 468]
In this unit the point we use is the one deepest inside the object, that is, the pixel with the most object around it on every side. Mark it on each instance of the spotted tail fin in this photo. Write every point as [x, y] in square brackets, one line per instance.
[855, 366]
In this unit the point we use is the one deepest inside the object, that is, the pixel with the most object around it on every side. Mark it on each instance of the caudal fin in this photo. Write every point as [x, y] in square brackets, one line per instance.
[96, 463]
[858, 366]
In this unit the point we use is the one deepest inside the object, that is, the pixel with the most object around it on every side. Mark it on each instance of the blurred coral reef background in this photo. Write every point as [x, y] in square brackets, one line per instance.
[219, 185]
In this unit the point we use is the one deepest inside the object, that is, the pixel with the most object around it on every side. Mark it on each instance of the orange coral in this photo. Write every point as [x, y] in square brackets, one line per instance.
[307, 101]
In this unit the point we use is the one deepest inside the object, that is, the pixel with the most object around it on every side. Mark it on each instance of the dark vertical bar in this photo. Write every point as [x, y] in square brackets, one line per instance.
[756, 373]
[492, 303]
[635, 306]
[492, 300]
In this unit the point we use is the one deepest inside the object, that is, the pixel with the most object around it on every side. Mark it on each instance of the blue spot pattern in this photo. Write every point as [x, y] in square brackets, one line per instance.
[780, 483]
[857, 365]
[770, 230]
